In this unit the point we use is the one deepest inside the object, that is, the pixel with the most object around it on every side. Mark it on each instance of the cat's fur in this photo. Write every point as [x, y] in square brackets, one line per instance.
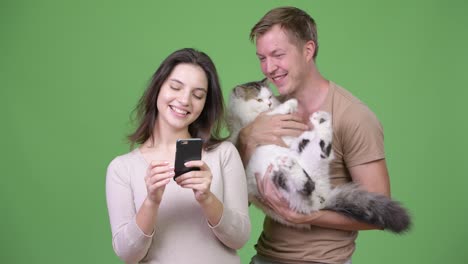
[246, 102]
[301, 172]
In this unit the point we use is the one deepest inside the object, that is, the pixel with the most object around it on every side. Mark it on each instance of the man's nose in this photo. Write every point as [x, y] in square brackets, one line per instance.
[270, 66]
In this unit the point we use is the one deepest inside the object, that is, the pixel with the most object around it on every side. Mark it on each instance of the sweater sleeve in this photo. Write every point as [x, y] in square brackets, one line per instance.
[128, 241]
[233, 230]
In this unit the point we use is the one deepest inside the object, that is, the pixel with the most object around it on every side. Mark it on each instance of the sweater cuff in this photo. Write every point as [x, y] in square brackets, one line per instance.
[136, 235]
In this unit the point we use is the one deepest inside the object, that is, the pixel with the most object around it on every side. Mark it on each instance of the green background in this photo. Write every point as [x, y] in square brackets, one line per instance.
[71, 73]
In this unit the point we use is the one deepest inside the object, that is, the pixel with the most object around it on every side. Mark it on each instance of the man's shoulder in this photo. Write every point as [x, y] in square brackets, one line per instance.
[342, 95]
[348, 108]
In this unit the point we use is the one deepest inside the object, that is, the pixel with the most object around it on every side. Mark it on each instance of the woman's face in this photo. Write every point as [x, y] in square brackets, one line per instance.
[182, 96]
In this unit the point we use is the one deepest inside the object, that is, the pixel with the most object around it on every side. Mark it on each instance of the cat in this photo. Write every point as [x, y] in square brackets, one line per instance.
[246, 102]
[301, 171]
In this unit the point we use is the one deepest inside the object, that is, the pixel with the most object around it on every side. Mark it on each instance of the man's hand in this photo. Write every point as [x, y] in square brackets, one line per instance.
[268, 129]
[272, 198]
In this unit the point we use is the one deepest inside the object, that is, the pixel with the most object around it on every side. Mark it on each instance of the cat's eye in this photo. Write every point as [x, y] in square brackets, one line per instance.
[260, 100]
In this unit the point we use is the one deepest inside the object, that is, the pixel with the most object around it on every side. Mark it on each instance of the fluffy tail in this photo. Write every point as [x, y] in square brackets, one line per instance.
[368, 207]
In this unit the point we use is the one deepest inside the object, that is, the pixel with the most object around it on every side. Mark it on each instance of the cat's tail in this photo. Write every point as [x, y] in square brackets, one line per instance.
[372, 208]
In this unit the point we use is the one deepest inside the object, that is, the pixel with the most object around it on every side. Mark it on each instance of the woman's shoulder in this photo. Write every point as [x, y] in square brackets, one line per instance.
[224, 146]
[223, 150]
[124, 159]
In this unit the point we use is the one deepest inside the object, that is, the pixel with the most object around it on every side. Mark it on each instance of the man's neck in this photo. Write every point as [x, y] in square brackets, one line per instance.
[312, 96]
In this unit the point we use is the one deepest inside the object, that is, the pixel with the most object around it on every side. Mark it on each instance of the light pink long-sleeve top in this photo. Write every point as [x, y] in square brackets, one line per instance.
[182, 233]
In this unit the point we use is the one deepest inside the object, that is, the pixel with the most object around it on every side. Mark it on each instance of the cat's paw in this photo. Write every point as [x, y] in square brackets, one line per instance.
[280, 171]
[286, 172]
[320, 118]
[288, 107]
[283, 162]
[291, 105]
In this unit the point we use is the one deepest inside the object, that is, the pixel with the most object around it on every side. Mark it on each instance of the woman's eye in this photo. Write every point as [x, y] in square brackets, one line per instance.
[174, 87]
[198, 96]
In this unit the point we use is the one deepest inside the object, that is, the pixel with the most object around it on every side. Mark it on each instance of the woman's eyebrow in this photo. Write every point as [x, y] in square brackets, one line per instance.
[177, 81]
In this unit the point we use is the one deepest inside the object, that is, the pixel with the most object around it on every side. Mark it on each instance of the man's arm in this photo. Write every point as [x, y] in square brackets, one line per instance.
[372, 176]
[268, 129]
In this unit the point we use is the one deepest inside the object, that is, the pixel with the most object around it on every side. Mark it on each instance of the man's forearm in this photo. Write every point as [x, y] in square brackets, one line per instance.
[244, 146]
[334, 220]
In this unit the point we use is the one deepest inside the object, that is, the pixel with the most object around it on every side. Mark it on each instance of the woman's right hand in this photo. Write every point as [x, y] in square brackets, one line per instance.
[158, 175]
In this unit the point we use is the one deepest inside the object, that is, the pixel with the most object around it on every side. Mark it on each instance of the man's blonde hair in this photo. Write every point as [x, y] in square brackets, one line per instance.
[297, 24]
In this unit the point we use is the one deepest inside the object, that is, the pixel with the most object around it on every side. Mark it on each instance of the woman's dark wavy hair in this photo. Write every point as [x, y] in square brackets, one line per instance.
[211, 120]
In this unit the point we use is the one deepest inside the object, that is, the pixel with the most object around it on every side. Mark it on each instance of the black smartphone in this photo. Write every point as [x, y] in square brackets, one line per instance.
[187, 150]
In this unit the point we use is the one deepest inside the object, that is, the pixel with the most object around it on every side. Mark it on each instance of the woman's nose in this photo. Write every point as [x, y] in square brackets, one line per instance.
[184, 98]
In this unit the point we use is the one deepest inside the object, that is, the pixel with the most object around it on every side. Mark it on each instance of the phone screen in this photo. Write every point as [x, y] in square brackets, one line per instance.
[187, 150]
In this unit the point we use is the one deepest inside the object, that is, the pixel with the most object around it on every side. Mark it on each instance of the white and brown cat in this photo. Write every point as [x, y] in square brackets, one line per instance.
[301, 171]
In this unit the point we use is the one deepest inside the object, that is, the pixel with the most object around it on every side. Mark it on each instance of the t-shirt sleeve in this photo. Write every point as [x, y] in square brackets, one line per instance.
[128, 240]
[362, 136]
[233, 229]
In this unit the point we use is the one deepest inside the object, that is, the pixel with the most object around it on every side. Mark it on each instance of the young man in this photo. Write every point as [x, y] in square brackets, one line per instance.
[286, 42]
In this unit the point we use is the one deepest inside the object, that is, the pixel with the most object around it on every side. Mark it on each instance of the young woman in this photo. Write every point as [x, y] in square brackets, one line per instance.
[202, 216]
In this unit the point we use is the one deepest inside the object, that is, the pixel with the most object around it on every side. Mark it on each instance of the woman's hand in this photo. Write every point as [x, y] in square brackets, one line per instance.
[158, 175]
[199, 181]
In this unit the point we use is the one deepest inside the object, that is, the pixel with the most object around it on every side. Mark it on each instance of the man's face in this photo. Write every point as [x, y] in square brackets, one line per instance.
[282, 62]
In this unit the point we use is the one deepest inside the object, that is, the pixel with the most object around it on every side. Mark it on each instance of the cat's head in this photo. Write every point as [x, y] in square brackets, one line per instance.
[254, 96]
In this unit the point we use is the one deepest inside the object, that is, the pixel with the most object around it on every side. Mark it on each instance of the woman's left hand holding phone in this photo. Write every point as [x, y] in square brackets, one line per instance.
[198, 180]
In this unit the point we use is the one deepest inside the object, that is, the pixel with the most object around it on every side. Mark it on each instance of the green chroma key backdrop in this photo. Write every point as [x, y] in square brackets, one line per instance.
[71, 72]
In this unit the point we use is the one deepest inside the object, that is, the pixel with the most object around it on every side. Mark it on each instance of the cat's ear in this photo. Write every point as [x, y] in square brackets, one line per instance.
[239, 91]
[265, 82]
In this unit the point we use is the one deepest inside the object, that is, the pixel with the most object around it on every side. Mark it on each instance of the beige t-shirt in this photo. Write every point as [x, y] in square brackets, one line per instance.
[182, 233]
[357, 139]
